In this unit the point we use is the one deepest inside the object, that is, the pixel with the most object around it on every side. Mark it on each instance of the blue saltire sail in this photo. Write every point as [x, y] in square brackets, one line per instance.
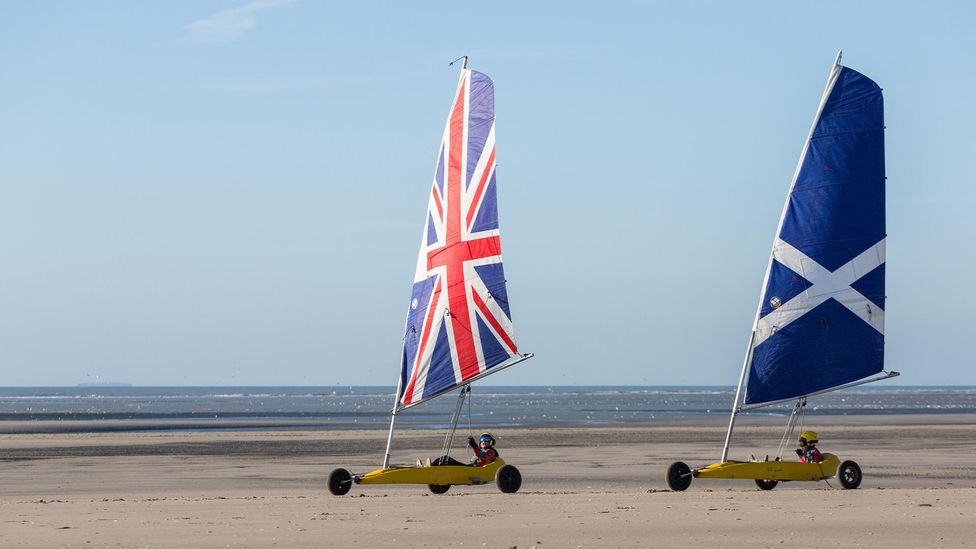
[459, 325]
[820, 320]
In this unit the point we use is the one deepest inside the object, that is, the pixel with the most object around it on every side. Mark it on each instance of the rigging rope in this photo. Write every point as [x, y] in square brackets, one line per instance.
[796, 416]
[796, 420]
[449, 439]
[470, 432]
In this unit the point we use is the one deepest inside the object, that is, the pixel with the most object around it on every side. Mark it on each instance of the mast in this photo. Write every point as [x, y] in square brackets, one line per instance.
[738, 393]
[389, 436]
[831, 80]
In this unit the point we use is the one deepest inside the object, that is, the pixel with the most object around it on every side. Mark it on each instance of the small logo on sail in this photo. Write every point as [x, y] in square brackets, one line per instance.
[414, 303]
[774, 302]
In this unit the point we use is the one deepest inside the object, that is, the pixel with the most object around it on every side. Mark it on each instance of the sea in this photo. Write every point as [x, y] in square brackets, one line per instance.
[84, 408]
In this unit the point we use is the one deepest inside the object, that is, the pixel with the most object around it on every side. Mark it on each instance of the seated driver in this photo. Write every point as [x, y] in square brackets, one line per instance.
[808, 448]
[484, 452]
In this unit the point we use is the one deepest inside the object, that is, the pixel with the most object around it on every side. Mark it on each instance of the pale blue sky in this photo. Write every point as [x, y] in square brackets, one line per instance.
[219, 193]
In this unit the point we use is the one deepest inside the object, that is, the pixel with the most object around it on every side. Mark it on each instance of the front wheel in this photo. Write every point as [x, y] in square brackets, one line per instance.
[766, 484]
[508, 479]
[679, 476]
[439, 488]
[340, 482]
[849, 474]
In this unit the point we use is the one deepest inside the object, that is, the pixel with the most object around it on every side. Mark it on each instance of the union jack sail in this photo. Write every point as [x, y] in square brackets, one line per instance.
[459, 323]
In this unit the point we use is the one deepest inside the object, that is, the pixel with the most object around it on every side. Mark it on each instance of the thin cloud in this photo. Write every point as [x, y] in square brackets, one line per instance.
[230, 25]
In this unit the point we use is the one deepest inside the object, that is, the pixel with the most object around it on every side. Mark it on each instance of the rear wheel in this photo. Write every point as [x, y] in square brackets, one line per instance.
[340, 482]
[508, 479]
[439, 488]
[766, 484]
[679, 476]
[849, 474]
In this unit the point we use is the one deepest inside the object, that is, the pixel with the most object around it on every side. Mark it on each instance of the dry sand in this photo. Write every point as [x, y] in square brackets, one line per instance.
[586, 487]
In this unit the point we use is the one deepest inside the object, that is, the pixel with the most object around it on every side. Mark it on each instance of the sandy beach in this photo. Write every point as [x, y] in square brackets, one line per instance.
[583, 487]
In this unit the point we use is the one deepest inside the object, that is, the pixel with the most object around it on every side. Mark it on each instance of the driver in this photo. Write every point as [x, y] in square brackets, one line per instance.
[484, 451]
[808, 448]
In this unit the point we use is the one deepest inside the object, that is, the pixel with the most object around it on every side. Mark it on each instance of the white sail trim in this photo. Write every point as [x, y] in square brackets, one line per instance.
[825, 285]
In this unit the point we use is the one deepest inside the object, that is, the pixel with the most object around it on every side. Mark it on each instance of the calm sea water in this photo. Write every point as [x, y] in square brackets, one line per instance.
[368, 407]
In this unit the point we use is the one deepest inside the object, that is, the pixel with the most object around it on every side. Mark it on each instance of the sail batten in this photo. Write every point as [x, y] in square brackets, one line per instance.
[820, 319]
[459, 325]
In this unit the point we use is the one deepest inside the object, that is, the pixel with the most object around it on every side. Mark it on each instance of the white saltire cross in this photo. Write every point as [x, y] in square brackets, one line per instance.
[825, 285]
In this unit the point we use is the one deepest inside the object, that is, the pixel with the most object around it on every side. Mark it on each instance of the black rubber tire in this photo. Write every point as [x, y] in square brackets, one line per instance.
[508, 479]
[679, 476]
[849, 474]
[340, 482]
[766, 484]
[439, 488]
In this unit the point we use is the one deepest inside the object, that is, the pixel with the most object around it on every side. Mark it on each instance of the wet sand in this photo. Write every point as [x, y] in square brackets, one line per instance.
[582, 487]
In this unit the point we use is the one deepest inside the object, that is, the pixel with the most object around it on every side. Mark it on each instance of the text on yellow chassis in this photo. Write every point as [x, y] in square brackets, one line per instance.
[767, 474]
[439, 478]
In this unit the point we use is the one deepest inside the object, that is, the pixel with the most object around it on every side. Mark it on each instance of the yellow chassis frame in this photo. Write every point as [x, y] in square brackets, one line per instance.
[771, 470]
[432, 474]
